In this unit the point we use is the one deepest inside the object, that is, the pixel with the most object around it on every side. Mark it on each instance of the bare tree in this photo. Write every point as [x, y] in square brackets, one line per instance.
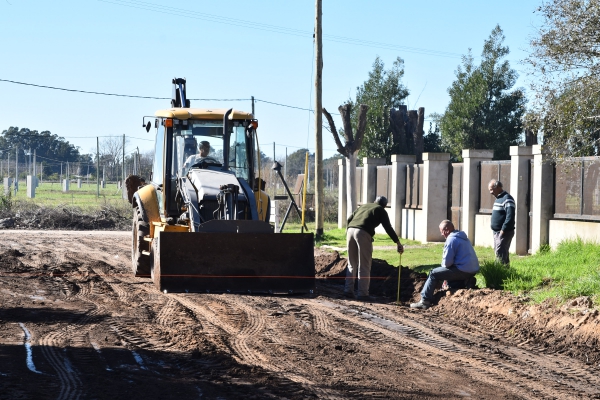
[351, 148]
[111, 155]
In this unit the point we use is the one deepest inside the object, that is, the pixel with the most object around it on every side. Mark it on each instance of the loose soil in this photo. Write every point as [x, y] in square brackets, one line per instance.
[75, 324]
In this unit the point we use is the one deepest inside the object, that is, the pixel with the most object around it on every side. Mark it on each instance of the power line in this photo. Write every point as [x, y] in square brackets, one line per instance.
[146, 97]
[141, 5]
[109, 94]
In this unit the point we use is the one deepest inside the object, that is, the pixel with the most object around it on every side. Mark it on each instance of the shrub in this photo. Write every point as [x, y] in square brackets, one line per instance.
[493, 274]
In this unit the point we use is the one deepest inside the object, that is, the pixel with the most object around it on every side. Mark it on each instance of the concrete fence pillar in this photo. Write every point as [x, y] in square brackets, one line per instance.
[542, 198]
[7, 184]
[435, 194]
[369, 188]
[520, 157]
[342, 194]
[65, 185]
[30, 186]
[398, 198]
[470, 197]
[274, 217]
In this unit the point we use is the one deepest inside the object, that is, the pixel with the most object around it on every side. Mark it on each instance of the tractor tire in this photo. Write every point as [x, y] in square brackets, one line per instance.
[140, 263]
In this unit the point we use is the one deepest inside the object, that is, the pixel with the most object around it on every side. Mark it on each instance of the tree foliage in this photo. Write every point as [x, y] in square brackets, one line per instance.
[432, 141]
[296, 160]
[382, 91]
[483, 112]
[49, 148]
[565, 64]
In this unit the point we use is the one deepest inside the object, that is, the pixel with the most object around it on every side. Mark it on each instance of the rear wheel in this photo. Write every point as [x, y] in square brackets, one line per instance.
[140, 263]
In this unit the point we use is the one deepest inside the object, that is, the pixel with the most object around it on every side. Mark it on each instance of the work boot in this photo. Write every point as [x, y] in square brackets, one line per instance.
[349, 295]
[422, 305]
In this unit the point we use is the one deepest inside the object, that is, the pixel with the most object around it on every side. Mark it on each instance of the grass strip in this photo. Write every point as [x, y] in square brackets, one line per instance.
[570, 271]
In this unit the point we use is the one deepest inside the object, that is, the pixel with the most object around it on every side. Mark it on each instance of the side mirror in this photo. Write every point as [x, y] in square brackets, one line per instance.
[148, 126]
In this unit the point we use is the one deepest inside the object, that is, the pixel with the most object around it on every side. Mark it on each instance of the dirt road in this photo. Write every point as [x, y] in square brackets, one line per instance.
[75, 324]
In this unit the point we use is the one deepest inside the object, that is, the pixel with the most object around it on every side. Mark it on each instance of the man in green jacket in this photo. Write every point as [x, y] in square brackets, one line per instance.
[359, 239]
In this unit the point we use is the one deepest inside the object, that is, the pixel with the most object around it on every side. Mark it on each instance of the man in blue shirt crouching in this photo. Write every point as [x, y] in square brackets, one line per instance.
[459, 262]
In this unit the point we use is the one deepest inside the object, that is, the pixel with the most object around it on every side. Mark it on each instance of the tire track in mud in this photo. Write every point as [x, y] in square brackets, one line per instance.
[277, 335]
[70, 386]
[166, 314]
[70, 383]
[214, 309]
[490, 370]
[522, 359]
[257, 326]
[568, 372]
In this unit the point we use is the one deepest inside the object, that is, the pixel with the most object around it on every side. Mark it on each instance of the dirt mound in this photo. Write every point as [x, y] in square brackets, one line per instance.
[10, 261]
[23, 215]
[572, 329]
[384, 277]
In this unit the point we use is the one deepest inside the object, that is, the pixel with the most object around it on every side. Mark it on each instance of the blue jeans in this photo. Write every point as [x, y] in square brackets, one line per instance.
[442, 274]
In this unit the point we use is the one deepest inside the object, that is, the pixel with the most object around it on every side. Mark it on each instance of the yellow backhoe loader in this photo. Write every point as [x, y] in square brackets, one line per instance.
[201, 222]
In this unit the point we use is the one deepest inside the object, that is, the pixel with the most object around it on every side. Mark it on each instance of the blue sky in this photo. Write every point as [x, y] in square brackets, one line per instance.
[231, 49]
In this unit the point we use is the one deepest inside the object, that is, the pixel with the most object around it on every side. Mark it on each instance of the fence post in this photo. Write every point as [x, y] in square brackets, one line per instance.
[470, 198]
[435, 195]
[342, 197]
[542, 198]
[7, 184]
[398, 198]
[30, 186]
[369, 188]
[519, 186]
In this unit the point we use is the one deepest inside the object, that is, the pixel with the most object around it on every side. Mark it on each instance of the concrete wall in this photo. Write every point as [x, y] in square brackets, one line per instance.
[483, 235]
[411, 228]
[561, 230]
[422, 224]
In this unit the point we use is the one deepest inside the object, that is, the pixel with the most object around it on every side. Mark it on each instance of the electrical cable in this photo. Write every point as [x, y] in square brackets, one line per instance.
[141, 5]
[145, 97]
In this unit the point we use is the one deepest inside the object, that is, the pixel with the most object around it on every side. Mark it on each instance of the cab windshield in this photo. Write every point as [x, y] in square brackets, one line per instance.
[199, 144]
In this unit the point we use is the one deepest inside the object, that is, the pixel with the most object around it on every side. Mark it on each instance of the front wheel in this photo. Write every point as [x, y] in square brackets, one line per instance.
[140, 262]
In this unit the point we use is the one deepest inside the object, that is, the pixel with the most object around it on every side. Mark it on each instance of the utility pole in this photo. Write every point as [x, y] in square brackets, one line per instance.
[123, 175]
[97, 167]
[285, 165]
[253, 107]
[319, 192]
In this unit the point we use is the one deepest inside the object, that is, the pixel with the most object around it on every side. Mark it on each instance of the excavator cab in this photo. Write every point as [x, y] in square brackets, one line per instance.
[201, 225]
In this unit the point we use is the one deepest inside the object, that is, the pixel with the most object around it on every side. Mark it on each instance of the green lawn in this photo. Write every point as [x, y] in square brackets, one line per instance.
[571, 271]
[51, 194]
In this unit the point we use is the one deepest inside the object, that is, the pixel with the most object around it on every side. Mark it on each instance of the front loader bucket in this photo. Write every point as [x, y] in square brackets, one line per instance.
[233, 262]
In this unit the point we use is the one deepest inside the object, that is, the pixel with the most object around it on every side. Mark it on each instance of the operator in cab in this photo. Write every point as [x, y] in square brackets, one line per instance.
[202, 156]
